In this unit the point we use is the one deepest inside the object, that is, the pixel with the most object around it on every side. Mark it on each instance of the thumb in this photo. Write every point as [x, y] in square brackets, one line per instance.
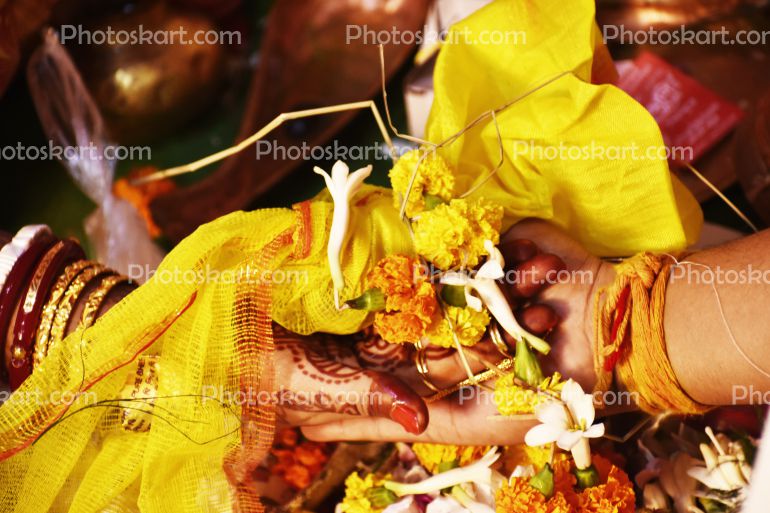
[319, 384]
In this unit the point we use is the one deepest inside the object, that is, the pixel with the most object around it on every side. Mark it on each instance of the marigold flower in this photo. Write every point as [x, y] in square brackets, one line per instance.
[431, 456]
[469, 326]
[355, 500]
[410, 300]
[297, 462]
[512, 399]
[453, 235]
[615, 494]
[523, 455]
[434, 177]
[518, 496]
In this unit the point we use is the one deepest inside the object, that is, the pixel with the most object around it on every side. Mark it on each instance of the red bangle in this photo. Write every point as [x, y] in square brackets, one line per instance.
[17, 278]
[19, 353]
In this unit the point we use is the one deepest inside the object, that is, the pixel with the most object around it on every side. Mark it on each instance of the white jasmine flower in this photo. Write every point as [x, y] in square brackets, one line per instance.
[726, 469]
[471, 502]
[444, 504]
[677, 483]
[522, 471]
[479, 472]
[485, 285]
[342, 185]
[569, 423]
[654, 498]
[405, 505]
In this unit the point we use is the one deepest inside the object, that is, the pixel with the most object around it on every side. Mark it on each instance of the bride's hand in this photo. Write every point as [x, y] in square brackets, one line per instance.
[354, 388]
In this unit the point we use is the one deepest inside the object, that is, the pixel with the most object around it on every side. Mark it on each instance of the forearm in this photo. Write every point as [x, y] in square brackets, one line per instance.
[48, 290]
[717, 324]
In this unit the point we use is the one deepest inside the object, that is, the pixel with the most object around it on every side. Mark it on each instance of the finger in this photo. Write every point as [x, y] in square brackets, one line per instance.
[533, 275]
[537, 318]
[452, 422]
[315, 388]
[516, 251]
[549, 239]
[374, 353]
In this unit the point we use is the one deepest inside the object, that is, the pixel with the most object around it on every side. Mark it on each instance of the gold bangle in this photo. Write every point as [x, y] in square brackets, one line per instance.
[49, 310]
[497, 340]
[96, 298]
[67, 303]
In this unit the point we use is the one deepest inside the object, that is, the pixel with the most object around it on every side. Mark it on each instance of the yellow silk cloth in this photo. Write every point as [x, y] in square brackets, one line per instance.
[206, 314]
[617, 205]
[210, 328]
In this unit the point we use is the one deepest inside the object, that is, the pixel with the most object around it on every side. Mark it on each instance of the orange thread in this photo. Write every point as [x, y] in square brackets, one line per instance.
[630, 336]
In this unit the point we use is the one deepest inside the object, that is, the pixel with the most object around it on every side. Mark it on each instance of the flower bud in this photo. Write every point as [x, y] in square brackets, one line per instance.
[654, 498]
[587, 477]
[454, 295]
[525, 366]
[543, 481]
[380, 497]
[373, 300]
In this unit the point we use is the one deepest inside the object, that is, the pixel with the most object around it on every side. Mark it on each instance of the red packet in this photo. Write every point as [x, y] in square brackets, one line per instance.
[689, 114]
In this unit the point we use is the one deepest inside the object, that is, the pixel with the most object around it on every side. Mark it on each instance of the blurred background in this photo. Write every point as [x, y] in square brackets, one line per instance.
[184, 101]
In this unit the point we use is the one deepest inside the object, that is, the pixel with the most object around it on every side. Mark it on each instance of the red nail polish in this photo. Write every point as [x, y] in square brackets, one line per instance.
[405, 416]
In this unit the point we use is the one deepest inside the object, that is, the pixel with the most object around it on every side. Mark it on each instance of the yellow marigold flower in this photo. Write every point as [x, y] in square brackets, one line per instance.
[356, 500]
[512, 399]
[523, 454]
[431, 456]
[469, 325]
[433, 177]
[410, 300]
[453, 234]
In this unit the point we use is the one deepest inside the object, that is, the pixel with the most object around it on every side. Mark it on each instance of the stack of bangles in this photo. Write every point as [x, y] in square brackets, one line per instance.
[42, 281]
[630, 343]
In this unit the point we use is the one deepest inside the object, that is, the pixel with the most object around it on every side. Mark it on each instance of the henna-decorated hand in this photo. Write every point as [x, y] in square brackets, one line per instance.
[362, 384]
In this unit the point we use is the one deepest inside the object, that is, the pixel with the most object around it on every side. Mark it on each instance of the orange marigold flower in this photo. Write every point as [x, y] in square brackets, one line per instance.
[287, 437]
[615, 494]
[297, 462]
[410, 300]
[298, 477]
[518, 496]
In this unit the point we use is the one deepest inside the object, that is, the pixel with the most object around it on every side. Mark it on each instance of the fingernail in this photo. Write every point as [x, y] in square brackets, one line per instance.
[395, 400]
[407, 417]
